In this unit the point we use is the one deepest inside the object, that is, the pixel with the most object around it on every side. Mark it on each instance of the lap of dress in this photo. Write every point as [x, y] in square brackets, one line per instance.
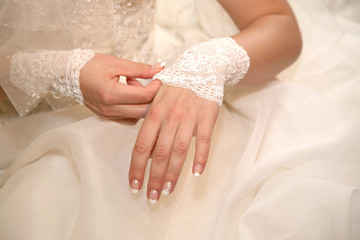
[284, 161]
[284, 164]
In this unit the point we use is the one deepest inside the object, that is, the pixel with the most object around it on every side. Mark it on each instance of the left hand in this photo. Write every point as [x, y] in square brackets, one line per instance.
[111, 100]
[175, 114]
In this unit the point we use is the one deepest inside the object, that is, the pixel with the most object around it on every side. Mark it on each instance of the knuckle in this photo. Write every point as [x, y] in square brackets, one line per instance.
[180, 148]
[140, 146]
[176, 115]
[139, 67]
[155, 183]
[201, 158]
[105, 97]
[204, 138]
[136, 173]
[104, 111]
[154, 113]
[161, 154]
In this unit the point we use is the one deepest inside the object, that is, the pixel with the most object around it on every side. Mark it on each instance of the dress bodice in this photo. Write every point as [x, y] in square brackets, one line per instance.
[133, 22]
[108, 26]
[119, 27]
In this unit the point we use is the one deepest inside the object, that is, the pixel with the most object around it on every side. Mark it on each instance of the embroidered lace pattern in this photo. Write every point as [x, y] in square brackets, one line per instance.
[57, 72]
[206, 67]
[133, 21]
[69, 85]
[116, 27]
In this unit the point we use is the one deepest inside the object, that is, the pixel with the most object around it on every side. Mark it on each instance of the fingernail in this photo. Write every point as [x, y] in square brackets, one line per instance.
[134, 186]
[158, 65]
[167, 188]
[153, 198]
[197, 170]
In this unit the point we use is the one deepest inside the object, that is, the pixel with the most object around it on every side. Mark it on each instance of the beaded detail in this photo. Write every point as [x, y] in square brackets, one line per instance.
[59, 72]
[117, 27]
[133, 22]
[206, 67]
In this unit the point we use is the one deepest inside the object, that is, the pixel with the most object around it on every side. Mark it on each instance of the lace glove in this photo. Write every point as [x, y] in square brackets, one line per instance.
[207, 67]
[39, 73]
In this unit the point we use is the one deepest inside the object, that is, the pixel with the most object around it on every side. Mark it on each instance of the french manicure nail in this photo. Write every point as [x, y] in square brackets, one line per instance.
[197, 170]
[158, 65]
[134, 186]
[167, 188]
[153, 198]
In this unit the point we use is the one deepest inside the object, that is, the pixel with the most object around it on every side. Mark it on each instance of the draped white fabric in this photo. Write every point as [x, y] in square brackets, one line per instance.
[118, 27]
[284, 162]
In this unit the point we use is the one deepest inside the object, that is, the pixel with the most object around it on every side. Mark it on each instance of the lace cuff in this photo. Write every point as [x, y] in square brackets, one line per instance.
[206, 67]
[39, 73]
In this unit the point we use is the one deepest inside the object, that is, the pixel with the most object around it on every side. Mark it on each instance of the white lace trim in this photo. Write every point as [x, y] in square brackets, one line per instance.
[69, 84]
[57, 72]
[206, 67]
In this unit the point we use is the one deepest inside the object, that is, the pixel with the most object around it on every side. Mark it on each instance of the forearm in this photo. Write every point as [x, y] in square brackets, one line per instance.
[271, 38]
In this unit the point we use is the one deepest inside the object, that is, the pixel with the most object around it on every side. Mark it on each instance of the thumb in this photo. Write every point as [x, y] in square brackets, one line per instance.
[133, 81]
[137, 70]
[151, 90]
[153, 87]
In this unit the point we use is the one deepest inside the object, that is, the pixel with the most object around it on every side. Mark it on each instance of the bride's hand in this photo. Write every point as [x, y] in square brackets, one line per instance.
[174, 116]
[112, 100]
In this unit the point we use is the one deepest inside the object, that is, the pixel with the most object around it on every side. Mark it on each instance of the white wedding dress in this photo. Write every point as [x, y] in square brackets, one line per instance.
[284, 162]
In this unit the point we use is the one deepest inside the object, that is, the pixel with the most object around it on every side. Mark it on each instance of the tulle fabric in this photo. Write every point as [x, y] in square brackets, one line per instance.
[260, 182]
[284, 161]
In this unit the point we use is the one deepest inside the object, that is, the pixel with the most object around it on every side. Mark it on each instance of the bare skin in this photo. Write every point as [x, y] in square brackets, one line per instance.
[112, 100]
[270, 35]
[108, 98]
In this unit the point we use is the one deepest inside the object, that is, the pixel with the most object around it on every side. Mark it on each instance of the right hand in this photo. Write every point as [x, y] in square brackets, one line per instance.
[165, 135]
[111, 100]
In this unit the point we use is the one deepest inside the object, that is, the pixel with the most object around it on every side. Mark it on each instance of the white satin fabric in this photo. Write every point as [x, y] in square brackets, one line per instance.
[284, 162]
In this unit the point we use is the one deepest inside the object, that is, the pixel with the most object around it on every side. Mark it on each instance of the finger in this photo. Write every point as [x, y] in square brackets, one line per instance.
[203, 141]
[159, 163]
[127, 121]
[130, 94]
[135, 69]
[124, 121]
[178, 155]
[124, 111]
[114, 112]
[141, 152]
[95, 109]
[133, 82]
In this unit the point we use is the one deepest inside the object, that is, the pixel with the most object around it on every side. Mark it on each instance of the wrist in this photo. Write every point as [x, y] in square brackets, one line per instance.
[206, 67]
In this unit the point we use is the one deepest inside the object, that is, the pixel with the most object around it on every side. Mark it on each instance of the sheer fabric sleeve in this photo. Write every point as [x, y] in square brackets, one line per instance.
[41, 44]
[33, 75]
